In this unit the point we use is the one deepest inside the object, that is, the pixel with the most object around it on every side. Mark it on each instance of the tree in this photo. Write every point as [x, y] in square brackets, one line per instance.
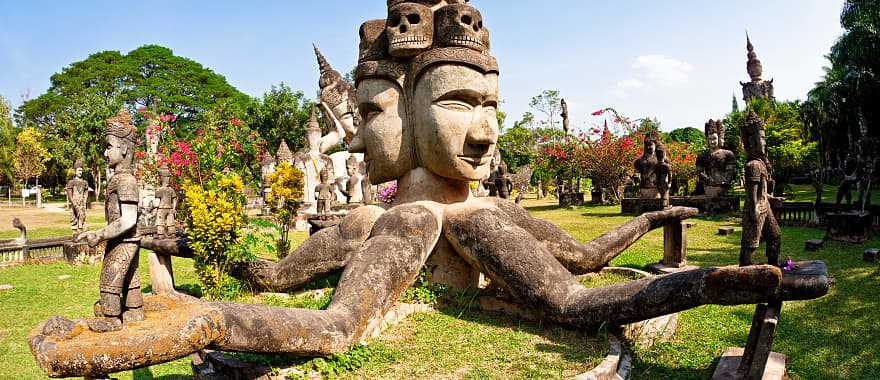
[30, 156]
[695, 138]
[548, 103]
[280, 114]
[8, 133]
[518, 146]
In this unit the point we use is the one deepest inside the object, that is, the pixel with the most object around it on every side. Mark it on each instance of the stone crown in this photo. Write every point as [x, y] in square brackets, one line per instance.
[122, 127]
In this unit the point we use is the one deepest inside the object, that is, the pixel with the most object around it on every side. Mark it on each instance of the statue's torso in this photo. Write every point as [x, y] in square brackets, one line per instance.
[78, 191]
[122, 188]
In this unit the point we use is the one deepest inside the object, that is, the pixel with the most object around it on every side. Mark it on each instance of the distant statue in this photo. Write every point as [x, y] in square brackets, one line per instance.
[565, 120]
[503, 183]
[663, 175]
[646, 166]
[166, 225]
[758, 219]
[851, 176]
[716, 168]
[324, 192]
[354, 189]
[77, 191]
[121, 300]
[338, 104]
[757, 87]
[312, 162]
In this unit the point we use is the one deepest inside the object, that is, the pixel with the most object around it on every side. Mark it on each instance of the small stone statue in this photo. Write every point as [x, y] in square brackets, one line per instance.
[757, 87]
[77, 190]
[716, 168]
[663, 173]
[758, 219]
[121, 300]
[324, 192]
[311, 161]
[646, 166]
[366, 186]
[354, 189]
[565, 121]
[166, 225]
[503, 184]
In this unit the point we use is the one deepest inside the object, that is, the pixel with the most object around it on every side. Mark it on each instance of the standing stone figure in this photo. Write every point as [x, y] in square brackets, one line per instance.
[663, 173]
[354, 189]
[565, 121]
[757, 87]
[646, 166]
[324, 192]
[716, 168]
[758, 219]
[166, 225]
[77, 190]
[121, 300]
[312, 162]
[503, 184]
[366, 186]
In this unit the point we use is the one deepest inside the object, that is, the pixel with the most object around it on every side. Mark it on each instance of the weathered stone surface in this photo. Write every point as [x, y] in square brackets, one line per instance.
[759, 222]
[716, 167]
[851, 227]
[730, 360]
[872, 255]
[726, 231]
[82, 253]
[813, 245]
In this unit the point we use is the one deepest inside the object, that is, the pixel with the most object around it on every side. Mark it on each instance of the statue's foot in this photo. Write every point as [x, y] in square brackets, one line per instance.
[106, 324]
[133, 315]
[63, 328]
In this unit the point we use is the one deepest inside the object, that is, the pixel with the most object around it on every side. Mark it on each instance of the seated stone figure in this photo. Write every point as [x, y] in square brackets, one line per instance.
[429, 122]
[716, 168]
[646, 166]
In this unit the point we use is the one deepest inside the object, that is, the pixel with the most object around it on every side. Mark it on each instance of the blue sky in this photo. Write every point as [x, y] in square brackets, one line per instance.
[679, 61]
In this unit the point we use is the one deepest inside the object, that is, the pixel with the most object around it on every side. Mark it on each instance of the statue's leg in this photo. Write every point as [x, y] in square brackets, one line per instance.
[117, 262]
[751, 238]
[590, 257]
[134, 300]
[773, 236]
[324, 252]
[512, 257]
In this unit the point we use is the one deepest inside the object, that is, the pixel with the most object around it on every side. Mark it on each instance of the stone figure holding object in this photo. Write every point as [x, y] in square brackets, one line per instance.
[166, 225]
[758, 219]
[77, 191]
[120, 300]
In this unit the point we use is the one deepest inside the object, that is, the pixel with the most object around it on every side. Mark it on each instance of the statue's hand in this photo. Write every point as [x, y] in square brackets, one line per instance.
[90, 237]
[659, 218]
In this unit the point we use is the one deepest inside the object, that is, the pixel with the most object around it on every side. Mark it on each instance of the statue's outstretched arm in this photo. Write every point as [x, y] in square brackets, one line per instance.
[374, 277]
[526, 268]
[590, 257]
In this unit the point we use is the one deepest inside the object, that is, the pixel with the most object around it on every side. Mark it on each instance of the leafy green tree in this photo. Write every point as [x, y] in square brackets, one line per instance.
[281, 114]
[518, 146]
[30, 155]
[695, 138]
[8, 133]
[549, 103]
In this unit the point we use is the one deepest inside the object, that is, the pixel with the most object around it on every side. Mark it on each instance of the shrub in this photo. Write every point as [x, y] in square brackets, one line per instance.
[284, 199]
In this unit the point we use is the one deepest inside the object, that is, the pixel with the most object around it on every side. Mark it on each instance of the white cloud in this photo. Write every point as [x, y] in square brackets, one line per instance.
[626, 85]
[662, 70]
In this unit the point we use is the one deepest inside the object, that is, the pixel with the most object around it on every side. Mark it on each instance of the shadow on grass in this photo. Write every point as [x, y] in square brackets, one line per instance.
[146, 374]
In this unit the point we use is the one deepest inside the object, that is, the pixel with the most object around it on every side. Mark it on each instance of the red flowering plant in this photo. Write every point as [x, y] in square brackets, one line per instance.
[684, 166]
[609, 156]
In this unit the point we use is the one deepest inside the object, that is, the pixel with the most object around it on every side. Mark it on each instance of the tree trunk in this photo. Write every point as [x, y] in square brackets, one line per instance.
[96, 174]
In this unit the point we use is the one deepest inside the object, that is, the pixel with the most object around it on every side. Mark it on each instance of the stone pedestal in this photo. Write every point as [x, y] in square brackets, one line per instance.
[571, 199]
[871, 255]
[318, 223]
[813, 245]
[756, 361]
[597, 197]
[674, 249]
[851, 226]
[725, 231]
[81, 253]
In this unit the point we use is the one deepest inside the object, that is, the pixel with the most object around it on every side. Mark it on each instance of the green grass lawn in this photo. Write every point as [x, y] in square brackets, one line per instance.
[837, 336]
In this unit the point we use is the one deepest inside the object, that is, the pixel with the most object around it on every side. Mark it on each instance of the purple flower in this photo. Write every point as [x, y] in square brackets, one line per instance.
[789, 265]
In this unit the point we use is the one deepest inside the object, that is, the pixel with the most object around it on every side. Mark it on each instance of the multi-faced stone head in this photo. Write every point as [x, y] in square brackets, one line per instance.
[714, 131]
[410, 29]
[351, 165]
[461, 25]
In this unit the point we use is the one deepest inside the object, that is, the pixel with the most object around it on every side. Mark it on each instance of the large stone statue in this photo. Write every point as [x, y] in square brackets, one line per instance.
[646, 166]
[77, 191]
[311, 162]
[716, 168]
[429, 93]
[758, 219]
[757, 87]
[663, 175]
[121, 300]
[166, 225]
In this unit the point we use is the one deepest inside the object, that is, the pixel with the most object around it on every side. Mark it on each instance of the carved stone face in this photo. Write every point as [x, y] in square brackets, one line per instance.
[345, 114]
[313, 137]
[351, 168]
[115, 152]
[650, 148]
[410, 29]
[713, 141]
[456, 127]
[461, 25]
[758, 143]
[387, 154]
[78, 173]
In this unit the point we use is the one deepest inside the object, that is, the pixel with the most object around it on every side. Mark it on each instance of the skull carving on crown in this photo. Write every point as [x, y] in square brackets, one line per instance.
[410, 29]
[461, 25]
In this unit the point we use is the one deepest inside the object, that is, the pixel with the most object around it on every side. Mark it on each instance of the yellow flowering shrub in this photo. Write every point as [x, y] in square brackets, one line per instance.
[215, 216]
[285, 198]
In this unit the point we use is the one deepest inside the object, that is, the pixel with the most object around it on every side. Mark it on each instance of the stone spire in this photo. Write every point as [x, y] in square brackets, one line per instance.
[313, 125]
[284, 154]
[756, 87]
[754, 67]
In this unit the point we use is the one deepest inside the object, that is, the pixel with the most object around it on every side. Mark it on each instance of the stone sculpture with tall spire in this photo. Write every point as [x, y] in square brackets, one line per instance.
[757, 87]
